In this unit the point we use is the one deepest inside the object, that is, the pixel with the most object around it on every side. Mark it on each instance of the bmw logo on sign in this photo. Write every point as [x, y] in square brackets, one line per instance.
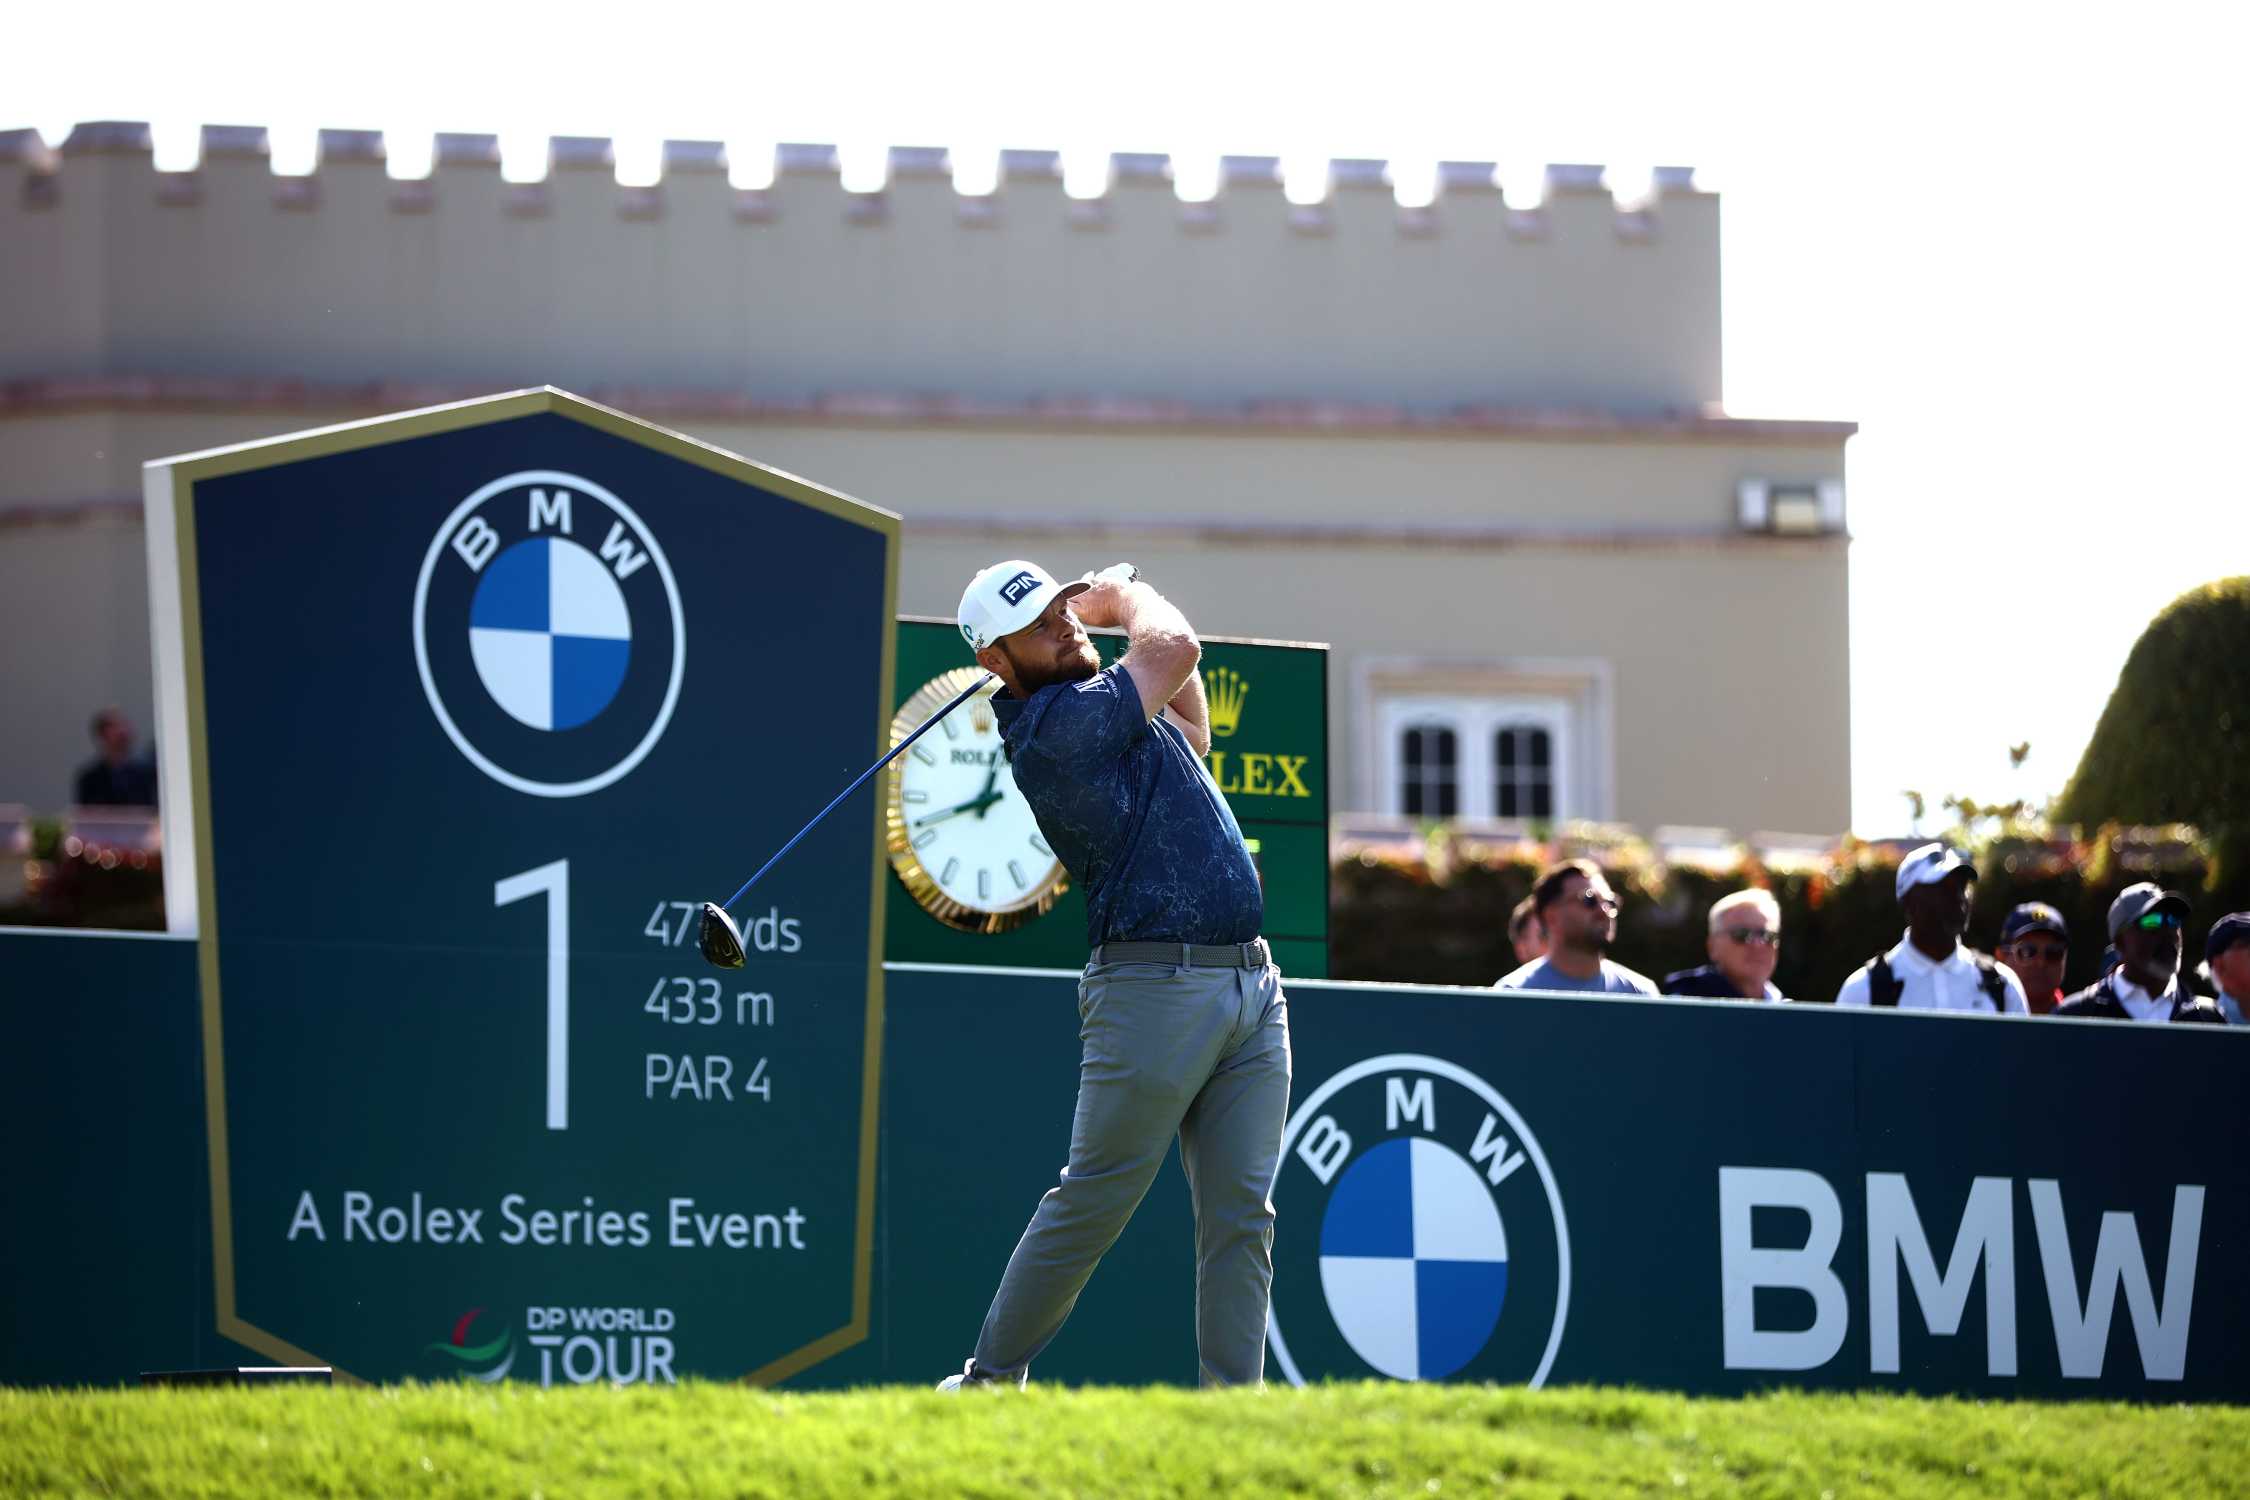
[548, 633]
[1428, 1239]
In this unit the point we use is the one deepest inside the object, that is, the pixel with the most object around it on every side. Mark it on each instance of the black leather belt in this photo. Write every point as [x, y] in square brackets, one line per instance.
[1251, 955]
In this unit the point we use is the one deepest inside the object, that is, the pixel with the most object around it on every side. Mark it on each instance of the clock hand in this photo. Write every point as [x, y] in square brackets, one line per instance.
[976, 805]
[988, 796]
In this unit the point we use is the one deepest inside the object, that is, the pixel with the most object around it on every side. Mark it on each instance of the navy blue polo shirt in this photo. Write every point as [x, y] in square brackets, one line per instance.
[1128, 808]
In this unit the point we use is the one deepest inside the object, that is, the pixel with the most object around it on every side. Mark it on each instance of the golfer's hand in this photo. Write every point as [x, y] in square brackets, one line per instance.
[1103, 605]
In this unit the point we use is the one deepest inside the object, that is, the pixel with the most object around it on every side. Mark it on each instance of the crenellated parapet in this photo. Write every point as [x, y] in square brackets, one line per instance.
[801, 284]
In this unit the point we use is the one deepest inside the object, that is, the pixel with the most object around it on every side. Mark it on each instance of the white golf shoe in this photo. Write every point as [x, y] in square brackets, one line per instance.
[972, 1378]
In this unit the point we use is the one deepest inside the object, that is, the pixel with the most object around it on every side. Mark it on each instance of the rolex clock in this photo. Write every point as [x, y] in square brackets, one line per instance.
[961, 837]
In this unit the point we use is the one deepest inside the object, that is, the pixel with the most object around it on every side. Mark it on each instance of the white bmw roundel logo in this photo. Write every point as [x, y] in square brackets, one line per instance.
[1424, 1234]
[548, 633]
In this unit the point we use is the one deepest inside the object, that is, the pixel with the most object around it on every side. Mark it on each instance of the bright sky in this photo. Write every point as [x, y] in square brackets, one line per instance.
[2009, 241]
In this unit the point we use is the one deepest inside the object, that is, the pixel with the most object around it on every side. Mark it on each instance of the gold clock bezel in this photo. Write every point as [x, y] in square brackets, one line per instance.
[907, 865]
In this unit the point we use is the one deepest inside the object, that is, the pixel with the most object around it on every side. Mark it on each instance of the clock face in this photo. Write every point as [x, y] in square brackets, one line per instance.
[961, 836]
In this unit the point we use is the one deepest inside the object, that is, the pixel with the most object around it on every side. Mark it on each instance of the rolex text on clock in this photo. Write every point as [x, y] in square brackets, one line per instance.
[961, 837]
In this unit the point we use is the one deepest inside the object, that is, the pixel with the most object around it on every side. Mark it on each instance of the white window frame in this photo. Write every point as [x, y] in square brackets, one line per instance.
[1573, 699]
[1557, 764]
[1476, 723]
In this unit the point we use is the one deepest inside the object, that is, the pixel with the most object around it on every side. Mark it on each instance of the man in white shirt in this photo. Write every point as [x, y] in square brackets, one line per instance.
[2226, 953]
[2144, 926]
[1930, 969]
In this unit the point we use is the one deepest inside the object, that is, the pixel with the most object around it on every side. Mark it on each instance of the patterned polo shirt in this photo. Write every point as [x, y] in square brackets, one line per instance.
[1128, 808]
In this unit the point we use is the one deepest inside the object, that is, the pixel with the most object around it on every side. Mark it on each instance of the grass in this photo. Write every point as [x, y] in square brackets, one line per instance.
[1396, 1440]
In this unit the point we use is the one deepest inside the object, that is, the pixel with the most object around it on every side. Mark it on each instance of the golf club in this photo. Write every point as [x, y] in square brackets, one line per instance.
[718, 937]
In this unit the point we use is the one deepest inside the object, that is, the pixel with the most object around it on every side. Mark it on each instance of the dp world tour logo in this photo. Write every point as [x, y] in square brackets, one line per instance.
[487, 1361]
[1429, 1240]
[548, 633]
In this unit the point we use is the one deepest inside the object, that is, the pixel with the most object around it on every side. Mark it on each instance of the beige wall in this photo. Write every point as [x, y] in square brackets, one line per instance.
[805, 288]
[1477, 449]
[74, 623]
[1725, 655]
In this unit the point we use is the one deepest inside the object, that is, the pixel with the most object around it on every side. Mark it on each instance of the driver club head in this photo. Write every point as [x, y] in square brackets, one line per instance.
[719, 938]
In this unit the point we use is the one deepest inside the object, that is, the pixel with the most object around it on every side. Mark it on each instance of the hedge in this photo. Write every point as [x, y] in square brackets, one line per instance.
[1438, 913]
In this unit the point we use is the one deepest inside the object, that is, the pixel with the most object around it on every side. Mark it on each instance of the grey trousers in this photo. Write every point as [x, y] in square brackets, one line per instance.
[1165, 1049]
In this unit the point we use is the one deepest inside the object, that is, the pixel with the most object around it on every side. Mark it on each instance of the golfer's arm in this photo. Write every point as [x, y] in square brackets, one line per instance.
[1161, 653]
[1188, 710]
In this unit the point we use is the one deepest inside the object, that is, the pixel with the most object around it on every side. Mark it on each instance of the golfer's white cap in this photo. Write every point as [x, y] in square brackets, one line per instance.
[1928, 865]
[1006, 597]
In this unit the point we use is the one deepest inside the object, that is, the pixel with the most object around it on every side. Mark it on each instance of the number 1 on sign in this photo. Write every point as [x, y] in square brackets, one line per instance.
[554, 881]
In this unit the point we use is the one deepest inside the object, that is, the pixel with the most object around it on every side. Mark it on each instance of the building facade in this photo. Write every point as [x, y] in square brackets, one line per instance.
[1480, 449]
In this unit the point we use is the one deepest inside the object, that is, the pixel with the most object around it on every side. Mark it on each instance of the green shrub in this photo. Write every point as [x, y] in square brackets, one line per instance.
[2167, 749]
[1438, 914]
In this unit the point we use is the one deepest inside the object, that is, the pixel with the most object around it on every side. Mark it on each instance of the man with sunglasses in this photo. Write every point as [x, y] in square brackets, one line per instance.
[1744, 945]
[2035, 942]
[1577, 908]
[2144, 925]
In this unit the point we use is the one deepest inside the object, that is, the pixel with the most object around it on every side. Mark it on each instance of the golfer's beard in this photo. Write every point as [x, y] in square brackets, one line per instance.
[1072, 669]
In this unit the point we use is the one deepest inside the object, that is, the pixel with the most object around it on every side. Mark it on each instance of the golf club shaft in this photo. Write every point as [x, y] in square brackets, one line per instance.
[927, 724]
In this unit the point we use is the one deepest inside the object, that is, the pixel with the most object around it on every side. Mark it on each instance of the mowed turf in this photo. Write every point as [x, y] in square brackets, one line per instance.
[1401, 1440]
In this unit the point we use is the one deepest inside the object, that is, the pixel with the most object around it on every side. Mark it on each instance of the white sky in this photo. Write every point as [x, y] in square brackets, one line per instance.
[2008, 241]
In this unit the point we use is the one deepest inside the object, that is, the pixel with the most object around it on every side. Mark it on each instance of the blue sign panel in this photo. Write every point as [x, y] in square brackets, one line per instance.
[479, 704]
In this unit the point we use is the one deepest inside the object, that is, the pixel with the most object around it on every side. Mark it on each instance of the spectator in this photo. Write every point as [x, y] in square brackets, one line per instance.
[2144, 923]
[116, 777]
[1578, 910]
[2226, 953]
[1526, 934]
[1929, 969]
[2035, 942]
[1744, 944]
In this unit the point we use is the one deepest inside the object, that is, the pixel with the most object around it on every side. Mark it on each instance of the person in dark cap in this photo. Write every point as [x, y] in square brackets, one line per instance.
[2035, 942]
[2144, 925]
[2226, 954]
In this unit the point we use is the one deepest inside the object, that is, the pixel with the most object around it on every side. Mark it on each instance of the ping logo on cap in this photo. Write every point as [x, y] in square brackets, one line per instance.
[1013, 591]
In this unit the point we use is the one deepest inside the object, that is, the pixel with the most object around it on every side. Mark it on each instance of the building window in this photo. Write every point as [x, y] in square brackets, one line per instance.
[1480, 758]
[1429, 782]
[1523, 772]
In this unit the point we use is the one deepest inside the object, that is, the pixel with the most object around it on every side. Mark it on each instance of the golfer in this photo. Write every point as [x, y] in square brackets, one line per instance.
[1183, 1029]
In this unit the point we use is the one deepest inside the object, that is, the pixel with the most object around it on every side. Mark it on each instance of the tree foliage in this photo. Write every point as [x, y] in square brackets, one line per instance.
[2169, 747]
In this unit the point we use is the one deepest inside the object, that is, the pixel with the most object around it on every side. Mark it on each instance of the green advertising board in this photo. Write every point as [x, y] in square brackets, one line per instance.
[1269, 756]
[465, 712]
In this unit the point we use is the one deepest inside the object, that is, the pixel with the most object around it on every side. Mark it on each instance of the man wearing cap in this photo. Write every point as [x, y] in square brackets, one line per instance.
[2144, 924]
[1184, 1030]
[1929, 969]
[2226, 954]
[2035, 942]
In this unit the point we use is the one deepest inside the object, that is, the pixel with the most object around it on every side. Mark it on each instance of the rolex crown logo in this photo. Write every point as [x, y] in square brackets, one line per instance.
[980, 719]
[1225, 689]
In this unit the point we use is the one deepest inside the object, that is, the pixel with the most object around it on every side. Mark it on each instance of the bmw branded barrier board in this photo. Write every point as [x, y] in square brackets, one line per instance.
[463, 712]
[1706, 1196]
[1688, 1195]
